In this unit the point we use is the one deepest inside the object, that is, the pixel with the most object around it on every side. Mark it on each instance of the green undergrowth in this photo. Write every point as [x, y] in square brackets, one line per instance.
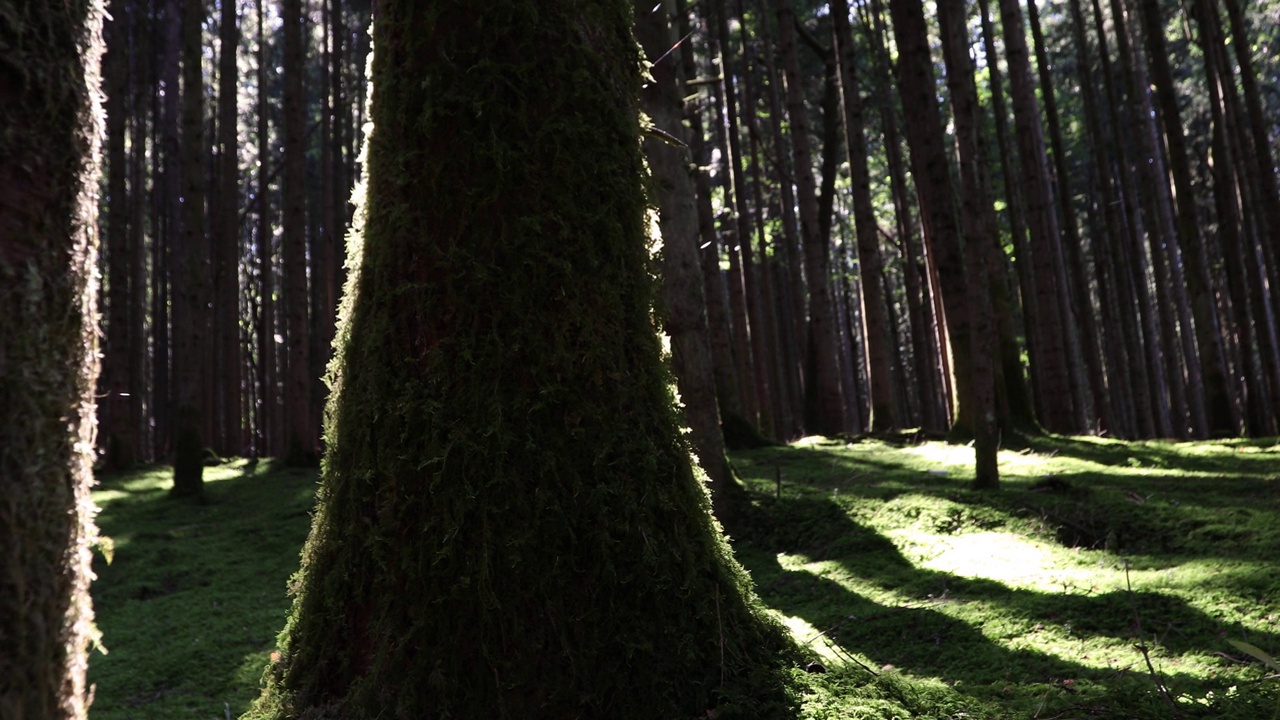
[922, 598]
[918, 597]
[191, 603]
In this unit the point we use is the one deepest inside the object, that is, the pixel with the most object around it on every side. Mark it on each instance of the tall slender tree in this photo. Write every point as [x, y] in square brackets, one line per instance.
[301, 441]
[685, 317]
[824, 396]
[1219, 410]
[191, 261]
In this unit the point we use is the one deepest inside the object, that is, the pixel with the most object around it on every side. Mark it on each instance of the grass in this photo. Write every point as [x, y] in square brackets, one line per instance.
[919, 597]
[925, 599]
[191, 603]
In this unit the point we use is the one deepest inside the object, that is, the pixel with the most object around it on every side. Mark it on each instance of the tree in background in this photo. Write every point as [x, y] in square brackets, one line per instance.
[191, 261]
[48, 352]
[510, 524]
[685, 316]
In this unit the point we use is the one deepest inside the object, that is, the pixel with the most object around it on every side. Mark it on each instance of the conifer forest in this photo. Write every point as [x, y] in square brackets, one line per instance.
[551, 294]
[1086, 189]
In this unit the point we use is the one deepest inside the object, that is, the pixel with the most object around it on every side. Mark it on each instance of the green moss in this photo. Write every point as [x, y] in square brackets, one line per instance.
[510, 523]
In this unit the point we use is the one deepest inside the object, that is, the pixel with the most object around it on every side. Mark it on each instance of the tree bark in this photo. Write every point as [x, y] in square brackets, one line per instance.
[191, 263]
[49, 155]
[824, 398]
[870, 267]
[227, 244]
[117, 437]
[1218, 404]
[977, 219]
[685, 317]
[506, 483]
[301, 447]
[1058, 399]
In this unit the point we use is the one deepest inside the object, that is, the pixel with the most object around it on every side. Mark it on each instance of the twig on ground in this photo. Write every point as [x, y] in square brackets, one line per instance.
[1142, 646]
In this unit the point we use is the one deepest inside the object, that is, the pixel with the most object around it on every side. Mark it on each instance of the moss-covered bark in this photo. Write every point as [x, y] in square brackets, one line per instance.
[50, 128]
[510, 524]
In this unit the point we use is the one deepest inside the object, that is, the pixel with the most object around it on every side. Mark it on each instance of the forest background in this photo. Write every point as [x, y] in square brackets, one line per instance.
[1104, 168]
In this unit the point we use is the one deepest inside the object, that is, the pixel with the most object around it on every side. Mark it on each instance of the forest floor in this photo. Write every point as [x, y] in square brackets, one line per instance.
[1106, 580]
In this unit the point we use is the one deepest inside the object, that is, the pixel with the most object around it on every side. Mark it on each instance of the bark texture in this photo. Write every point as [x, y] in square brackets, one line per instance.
[510, 523]
[49, 110]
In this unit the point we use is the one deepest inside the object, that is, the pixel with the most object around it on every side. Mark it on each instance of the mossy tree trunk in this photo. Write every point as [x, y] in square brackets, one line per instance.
[510, 524]
[685, 317]
[48, 351]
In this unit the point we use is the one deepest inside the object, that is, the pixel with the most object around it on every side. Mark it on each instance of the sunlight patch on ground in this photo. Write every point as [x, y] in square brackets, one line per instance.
[941, 455]
[1003, 557]
[810, 638]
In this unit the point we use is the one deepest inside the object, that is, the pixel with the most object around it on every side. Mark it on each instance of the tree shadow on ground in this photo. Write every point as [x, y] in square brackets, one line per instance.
[1148, 516]
[917, 634]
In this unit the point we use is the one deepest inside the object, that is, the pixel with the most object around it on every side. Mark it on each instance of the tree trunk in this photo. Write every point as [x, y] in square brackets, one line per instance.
[1079, 305]
[49, 155]
[715, 292]
[300, 436]
[685, 317]
[1227, 196]
[758, 387]
[1137, 115]
[506, 482]
[1219, 410]
[977, 220]
[117, 432]
[791, 305]
[1017, 404]
[227, 244]
[932, 174]
[879, 341]
[824, 399]
[191, 261]
[925, 339]
[1058, 399]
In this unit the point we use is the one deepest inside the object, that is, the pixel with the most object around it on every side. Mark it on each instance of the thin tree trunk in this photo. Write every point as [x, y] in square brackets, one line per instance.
[824, 399]
[1058, 396]
[268, 397]
[191, 262]
[227, 244]
[1227, 197]
[932, 174]
[1078, 305]
[925, 339]
[117, 431]
[792, 317]
[758, 386]
[1134, 127]
[978, 226]
[877, 337]
[716, 294]
[1219, 410]
[300, 443]
[1020, 411]
[685, 319]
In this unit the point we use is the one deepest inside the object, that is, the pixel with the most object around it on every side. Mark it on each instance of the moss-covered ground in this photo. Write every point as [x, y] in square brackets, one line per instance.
[919, 597]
